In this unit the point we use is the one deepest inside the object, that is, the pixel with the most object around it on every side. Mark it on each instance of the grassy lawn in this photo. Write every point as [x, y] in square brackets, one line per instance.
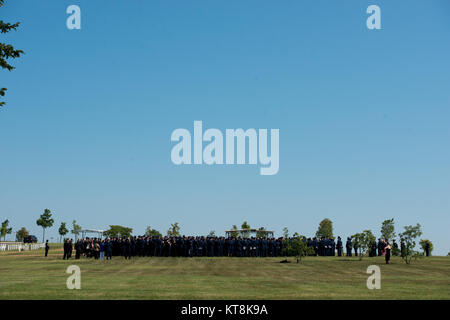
[28, 275]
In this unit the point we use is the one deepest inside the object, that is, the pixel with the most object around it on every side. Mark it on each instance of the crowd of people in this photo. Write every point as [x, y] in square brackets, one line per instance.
[188, 246]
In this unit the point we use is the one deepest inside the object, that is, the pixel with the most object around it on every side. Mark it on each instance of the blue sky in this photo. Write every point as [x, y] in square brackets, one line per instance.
[363, 114]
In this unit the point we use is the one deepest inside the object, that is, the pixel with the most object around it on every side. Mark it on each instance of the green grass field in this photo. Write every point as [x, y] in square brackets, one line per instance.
[28, 275]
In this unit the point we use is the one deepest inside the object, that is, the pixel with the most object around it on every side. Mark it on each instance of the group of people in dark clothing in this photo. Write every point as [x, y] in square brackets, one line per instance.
[189, 246]
[380, 248]
[185, 246]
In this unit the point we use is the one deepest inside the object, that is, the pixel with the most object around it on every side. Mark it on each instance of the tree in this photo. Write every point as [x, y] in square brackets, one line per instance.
[363, 242]
[423, 244]
[408, 237]
[260, 233]
[387, 230]
[299, 247]
[116, 231]
[212, 233]
[285, 232]
[62, 230]
[5, 229]
[152, 232]
[174, 230]
[45, 221]
[7, 51]
[286, 242]
[22, 234]
[234, 234]
[245, 226]
[325, 229]
[76, 229]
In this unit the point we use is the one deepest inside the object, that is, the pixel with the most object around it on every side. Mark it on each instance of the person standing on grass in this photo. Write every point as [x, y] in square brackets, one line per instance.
[102, 250]
[70, 249]
[78, 249]
[380, 247]
[47, 247]
[387, 252]
[108, 249]
[383, 247]
[339, 246]
[96, 250]
[348, 246]
[66, 249]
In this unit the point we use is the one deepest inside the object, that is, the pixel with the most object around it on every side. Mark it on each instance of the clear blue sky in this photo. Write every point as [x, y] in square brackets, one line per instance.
[363, 115]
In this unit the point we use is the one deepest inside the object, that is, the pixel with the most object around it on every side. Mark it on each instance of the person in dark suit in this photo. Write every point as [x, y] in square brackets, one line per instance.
[108, 249]
[239, 247]
[70, 249]
[339, 246]
[348, 247]
[78, 249]
[221, 246]
[387, 254]
[201, 245]
[380, 247]
[427, 249]
[47, 247]
[373, 249]
[231, 249]
[191, 246]
[66, 249]
[395, 247]
[315, 245]
[264, 247]
[210, 245]
[244, 247]
[402, 248]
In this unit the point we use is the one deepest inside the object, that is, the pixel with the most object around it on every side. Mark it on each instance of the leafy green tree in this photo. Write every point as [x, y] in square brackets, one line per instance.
[363, 241]
[285, 232]
[5, 229]
[62, 230]
[234, 234]
[408, 237]
[388, 230]
[299, 247]
[423, 244]
[22, 234]
[260, 233]
[287, 243]
[7, 51]
[245, 226]
[174, 230]
[45, 221]
[116, 231]
[76, 229]
[325, 229]
[212, 233]
[152, 232]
